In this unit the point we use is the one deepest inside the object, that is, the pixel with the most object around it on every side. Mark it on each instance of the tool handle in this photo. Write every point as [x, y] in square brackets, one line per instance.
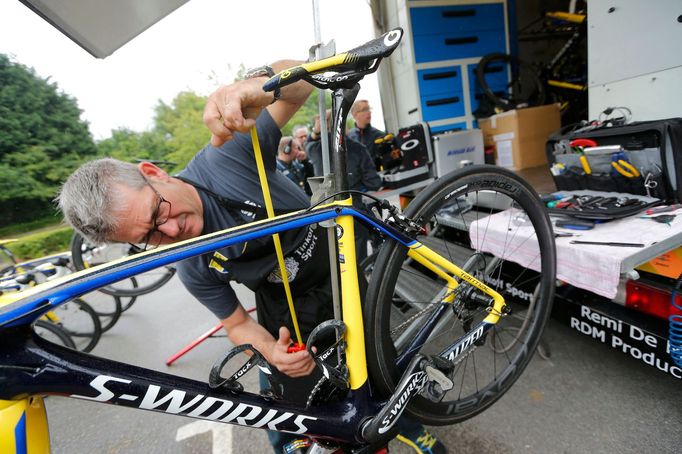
[665, 209]
[297, 347]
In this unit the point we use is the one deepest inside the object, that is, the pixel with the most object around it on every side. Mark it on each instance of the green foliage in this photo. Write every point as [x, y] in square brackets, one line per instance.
[42, 140]
[182, 127]
[41, 244]
[127, 145]
[177, 135]
[24, 227]
[306, 114]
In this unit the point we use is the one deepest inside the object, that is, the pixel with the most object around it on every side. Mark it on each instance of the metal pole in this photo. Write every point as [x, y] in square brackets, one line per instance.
[322, 108]
[324, 142]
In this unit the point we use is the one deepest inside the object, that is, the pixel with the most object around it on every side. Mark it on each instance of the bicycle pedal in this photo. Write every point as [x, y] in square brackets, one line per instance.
[231, 382]
[439, 377]
[438, 383]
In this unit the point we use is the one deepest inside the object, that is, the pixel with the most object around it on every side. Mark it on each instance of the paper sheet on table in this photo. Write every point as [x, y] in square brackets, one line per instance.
[591, 267]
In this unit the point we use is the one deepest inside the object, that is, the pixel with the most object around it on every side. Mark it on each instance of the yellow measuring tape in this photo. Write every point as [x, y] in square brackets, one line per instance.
[278, 245]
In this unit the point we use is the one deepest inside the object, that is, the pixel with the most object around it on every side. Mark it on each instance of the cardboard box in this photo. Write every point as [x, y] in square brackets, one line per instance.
[519, 135]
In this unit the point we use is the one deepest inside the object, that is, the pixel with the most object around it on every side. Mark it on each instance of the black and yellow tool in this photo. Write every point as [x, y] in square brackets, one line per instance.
[578, 146]
[621, 165]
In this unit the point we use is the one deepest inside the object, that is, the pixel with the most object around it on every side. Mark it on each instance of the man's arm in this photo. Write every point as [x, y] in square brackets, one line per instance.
[242, 329]
[235, 107]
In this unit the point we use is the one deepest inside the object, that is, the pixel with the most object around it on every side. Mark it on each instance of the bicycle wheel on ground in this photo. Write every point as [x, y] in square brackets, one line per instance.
[85, 255]
[80, 321]
[483, 219]
[53, 333]
[107, 307]
[525, 88]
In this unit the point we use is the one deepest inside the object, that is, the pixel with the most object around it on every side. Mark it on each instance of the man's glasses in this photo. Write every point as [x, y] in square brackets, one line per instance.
[159, 217]
[366, 109]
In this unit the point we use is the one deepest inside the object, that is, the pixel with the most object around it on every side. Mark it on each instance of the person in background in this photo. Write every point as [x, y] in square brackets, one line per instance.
[300, 132]
[363, 131]
[362, 176]
[293, 163]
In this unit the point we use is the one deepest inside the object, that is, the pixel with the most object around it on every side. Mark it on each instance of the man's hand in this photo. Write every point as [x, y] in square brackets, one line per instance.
[234, 108]
[298, 364]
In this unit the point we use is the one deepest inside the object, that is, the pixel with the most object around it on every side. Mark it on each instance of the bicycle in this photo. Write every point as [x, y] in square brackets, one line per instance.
[75, 320]
[563, 79]
[417, 367]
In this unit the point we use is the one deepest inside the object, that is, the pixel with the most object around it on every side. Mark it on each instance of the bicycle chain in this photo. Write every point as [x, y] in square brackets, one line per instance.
[429, 307]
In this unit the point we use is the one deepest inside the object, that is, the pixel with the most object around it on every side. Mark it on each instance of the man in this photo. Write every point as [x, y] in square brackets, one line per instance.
[363, 131]
[300, 132]
[362, 176]
[108, 200]
[293, 162]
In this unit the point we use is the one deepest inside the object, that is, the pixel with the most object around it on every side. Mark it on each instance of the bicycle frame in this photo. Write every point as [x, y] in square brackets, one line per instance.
[30, 365]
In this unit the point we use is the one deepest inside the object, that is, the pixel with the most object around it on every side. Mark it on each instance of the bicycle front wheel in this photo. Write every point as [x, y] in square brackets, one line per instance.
[491, 224]
[84, 255]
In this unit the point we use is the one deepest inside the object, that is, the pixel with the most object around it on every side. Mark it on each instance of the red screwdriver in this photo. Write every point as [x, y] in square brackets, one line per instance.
[665, 209]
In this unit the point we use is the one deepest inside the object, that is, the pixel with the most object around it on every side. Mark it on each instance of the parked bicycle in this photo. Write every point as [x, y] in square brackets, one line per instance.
[425, 342]
[74, 324]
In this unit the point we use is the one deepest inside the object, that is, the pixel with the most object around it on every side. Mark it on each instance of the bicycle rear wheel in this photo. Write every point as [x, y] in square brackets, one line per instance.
[525, 89]
[85, 255]
[459, 214]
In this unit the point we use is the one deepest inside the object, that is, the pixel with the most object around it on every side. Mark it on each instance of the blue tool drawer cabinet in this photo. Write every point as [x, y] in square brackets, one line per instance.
[433, 71]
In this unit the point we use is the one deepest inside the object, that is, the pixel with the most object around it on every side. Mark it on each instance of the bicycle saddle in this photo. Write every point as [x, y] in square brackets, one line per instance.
[349, 66]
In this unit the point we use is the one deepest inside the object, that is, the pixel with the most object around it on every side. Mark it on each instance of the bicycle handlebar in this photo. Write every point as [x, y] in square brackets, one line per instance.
[351, 66]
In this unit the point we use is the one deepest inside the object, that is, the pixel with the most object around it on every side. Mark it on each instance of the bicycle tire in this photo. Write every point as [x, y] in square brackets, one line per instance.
[81, 322]
[391, 314]
[85, 255]
[50, 331]
[128, 304]
[108, 315]
[525, 89]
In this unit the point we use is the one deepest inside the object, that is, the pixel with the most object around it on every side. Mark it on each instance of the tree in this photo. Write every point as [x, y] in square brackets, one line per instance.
[306, 113]
[129, 146]
[181, 125]
[42, 140]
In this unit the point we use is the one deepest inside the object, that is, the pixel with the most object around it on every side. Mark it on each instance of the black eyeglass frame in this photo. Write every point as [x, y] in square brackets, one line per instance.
[155, 219]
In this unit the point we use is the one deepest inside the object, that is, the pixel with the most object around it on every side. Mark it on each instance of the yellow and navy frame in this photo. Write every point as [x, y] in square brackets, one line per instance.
[31, 366]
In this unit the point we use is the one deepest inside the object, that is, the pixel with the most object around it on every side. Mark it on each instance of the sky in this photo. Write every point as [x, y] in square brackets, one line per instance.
[197, 47]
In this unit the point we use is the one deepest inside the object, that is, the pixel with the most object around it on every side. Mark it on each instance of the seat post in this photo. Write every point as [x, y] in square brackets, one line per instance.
[342, 100]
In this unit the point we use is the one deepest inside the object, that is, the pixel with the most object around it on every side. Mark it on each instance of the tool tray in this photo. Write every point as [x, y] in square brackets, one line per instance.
[654, 148]
[603, 211]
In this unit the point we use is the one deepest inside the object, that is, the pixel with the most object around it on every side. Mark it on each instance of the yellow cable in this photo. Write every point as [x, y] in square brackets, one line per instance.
[278, 245]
